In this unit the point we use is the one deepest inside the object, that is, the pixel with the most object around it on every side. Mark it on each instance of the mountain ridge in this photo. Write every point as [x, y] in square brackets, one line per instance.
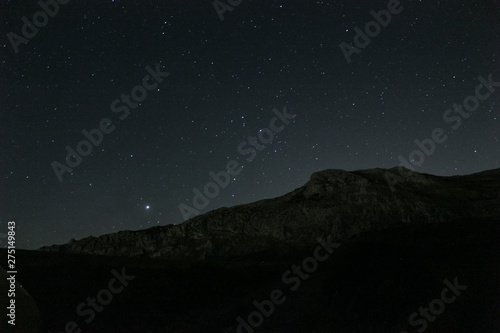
[333, 202]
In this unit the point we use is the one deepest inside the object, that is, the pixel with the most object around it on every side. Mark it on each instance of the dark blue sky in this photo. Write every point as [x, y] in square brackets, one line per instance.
[225, 78]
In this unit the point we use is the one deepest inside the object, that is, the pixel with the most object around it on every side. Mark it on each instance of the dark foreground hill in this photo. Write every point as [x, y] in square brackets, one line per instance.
[372, 283]
[343, 253]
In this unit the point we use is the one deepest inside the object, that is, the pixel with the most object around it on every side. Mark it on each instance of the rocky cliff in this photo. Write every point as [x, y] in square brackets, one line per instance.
[333, 202]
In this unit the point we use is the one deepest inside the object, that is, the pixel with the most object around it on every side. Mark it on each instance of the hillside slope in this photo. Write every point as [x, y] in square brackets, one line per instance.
[333, 202]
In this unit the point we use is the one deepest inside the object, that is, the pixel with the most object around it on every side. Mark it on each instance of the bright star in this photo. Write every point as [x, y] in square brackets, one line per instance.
[147, 207]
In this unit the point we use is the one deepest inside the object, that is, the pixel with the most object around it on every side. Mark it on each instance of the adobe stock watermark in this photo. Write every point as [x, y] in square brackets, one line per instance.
[451, 116]
[94, 137]
[293, 278]
[103, 298]
[12, 271]
[221, 7]
[436, 306]
[29, 30]
[222, 178]
[372, 29]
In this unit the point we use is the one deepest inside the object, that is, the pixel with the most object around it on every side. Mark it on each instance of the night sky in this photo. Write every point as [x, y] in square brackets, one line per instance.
[227, 82]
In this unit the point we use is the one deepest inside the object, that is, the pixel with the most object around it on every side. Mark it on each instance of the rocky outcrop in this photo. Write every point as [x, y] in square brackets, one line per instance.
[333, 202]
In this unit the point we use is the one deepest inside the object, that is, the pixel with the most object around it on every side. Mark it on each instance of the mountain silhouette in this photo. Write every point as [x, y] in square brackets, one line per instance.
[362, 251]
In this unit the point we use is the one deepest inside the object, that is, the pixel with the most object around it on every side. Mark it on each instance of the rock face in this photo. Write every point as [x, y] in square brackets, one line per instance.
[333, 202]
